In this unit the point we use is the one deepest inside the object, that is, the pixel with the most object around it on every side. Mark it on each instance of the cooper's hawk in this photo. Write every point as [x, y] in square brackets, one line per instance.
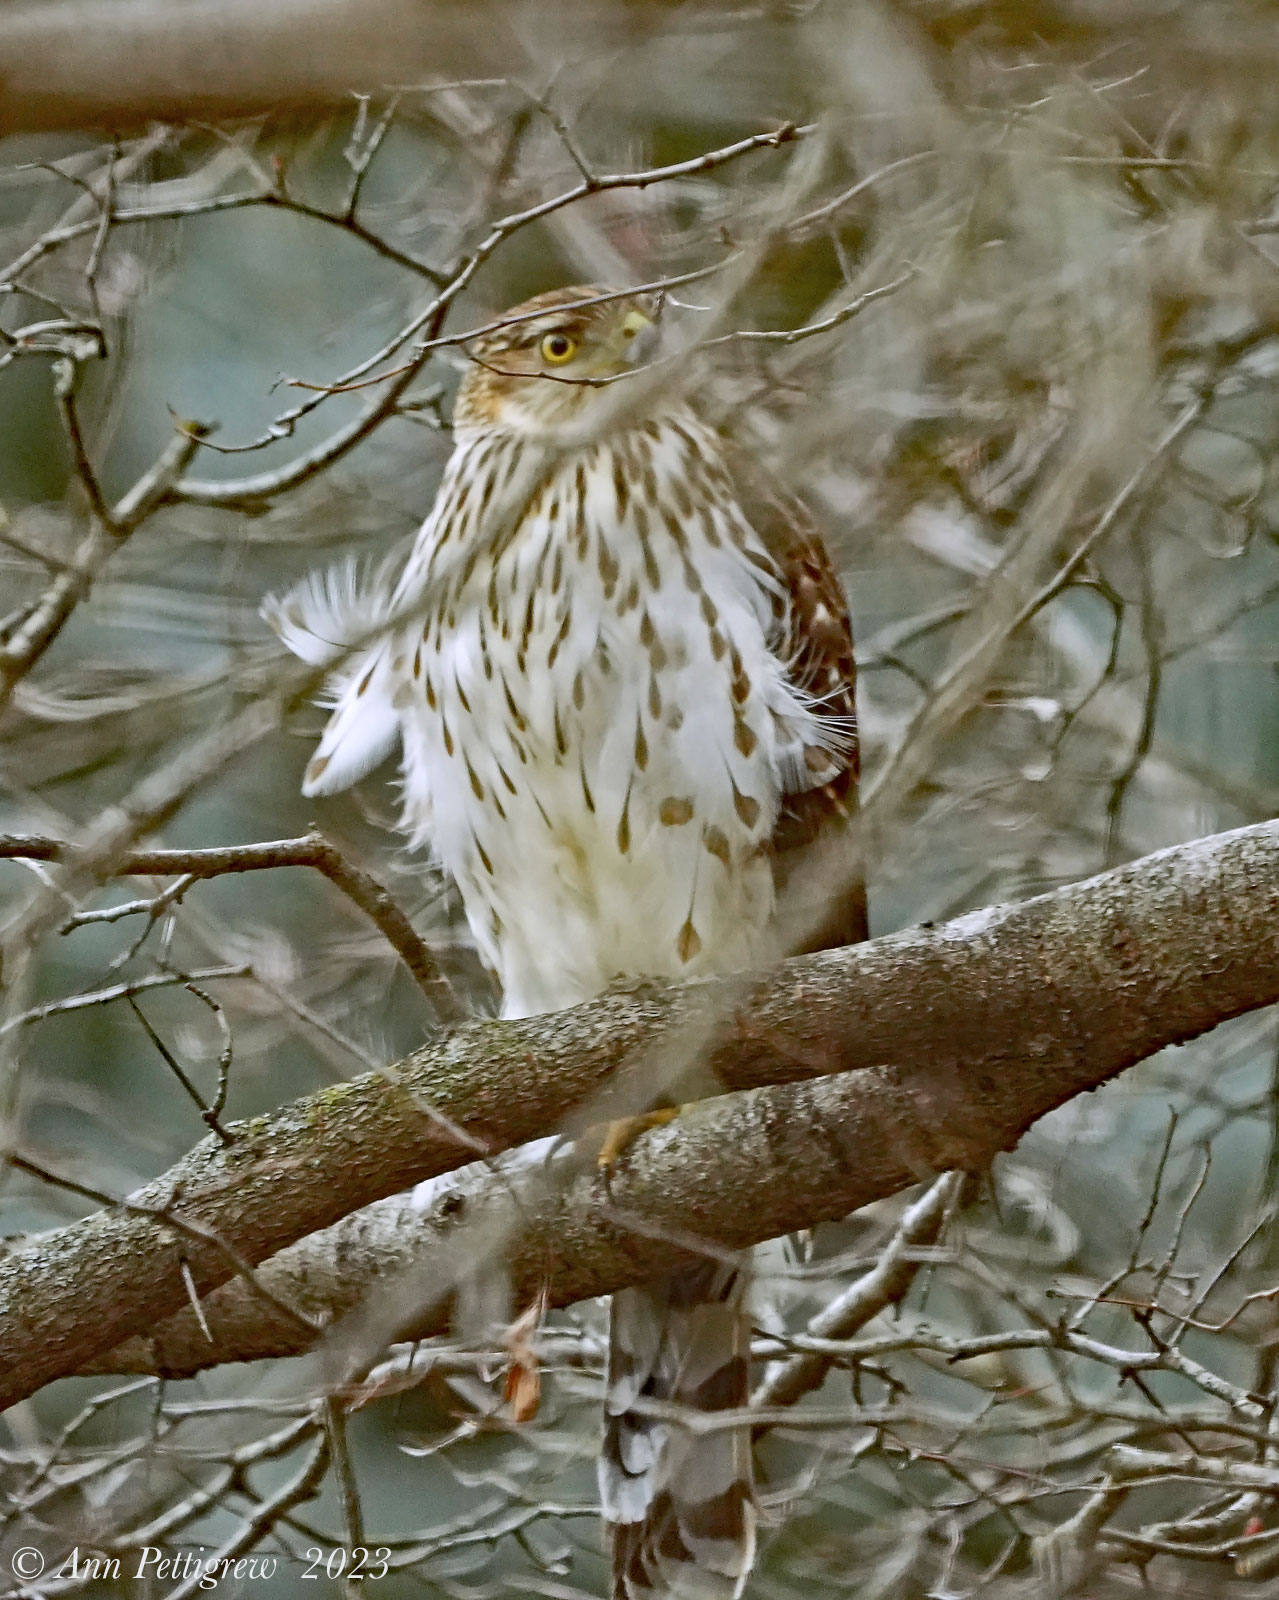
[620, 668]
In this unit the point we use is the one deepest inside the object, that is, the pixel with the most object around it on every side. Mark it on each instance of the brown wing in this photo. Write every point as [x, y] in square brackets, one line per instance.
[821, 891]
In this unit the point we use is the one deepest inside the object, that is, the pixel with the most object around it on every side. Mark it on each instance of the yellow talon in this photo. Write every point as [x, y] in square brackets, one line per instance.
[624, 1131]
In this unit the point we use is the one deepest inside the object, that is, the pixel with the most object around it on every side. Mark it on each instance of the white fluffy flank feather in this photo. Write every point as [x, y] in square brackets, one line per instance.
[336, 618]
[330, 613]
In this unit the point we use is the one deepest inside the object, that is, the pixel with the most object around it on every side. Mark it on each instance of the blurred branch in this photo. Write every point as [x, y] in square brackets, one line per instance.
[304, 1485]
[940, 1045]
[124, 63]
[46, 618]
[1015, 591]
[148, 806]
[312, 850]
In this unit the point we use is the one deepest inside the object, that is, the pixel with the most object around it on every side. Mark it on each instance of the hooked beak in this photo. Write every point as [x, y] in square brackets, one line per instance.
[637, 338]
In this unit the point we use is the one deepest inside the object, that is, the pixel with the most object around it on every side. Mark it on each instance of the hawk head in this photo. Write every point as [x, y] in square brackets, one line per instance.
[552, 359]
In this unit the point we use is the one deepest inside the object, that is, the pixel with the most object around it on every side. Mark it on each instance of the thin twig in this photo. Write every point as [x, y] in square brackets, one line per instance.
[119, 991]
[429, 321]
[884, 1285]
[311, 850]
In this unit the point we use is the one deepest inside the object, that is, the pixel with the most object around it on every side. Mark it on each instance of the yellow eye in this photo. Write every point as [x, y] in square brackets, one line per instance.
[557, 348]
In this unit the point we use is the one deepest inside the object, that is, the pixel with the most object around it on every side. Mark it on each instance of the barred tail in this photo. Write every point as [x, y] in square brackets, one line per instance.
[679, 1504]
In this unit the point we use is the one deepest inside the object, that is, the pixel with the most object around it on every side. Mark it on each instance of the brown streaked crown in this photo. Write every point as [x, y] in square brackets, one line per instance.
[547, 359]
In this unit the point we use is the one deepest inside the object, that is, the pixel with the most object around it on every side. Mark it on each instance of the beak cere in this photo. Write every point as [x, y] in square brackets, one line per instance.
[636, 338]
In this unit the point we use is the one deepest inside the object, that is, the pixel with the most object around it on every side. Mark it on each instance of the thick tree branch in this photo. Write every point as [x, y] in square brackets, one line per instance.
[958, 1037]
[727, 1173]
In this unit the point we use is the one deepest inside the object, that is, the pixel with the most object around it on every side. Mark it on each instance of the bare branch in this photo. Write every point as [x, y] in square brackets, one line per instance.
[312, 850]
[885, 1283]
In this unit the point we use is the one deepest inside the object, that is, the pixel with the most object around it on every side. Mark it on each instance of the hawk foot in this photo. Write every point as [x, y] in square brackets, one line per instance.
[619, 1135]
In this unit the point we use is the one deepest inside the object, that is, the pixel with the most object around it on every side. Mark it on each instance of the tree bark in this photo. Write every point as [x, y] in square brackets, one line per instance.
[948, 1042]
